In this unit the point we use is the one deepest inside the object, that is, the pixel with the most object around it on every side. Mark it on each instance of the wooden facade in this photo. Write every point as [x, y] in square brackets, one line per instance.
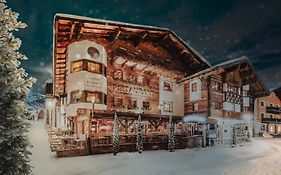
[228, 83]
[135, 73]
[268, 113]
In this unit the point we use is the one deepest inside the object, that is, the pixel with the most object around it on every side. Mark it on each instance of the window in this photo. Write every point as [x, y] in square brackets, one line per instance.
[262, 103]
[94, 67]
[216, 86]
[145, 105]
[118, 101]
[118, 75]
[262, 127]
[168, 106]
[216, 105]
[271, 116]
[76, 96]
[96, 95]
[195, 106]
[168, 86]
[193, 87]
[93, 52]
[262, 115]
[77, 66]
[133, 103]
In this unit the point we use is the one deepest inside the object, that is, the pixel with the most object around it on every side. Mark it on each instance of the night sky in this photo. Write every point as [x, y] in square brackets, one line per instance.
[218, 29]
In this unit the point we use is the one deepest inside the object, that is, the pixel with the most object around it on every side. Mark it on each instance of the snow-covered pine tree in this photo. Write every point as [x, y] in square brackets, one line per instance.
[171, 138]
[115, 135]
[139, 136]
[14, 88]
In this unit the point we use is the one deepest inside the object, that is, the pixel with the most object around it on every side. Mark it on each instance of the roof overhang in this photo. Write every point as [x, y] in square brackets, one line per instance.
[155, 46]
[241, 64]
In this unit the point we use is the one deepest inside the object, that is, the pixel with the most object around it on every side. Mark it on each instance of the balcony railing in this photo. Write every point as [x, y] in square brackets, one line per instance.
[270, 120]
[273, 110]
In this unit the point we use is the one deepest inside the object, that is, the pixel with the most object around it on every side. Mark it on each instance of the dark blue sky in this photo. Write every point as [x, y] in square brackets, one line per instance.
[218, 29]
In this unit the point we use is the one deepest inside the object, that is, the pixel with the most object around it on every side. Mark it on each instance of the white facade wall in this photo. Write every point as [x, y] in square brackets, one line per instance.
[84, 80]
[196, 95]
[176, 96]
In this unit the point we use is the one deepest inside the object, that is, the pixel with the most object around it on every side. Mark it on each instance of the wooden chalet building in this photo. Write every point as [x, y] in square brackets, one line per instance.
[126, 69]
[223, 96]
[268, 113]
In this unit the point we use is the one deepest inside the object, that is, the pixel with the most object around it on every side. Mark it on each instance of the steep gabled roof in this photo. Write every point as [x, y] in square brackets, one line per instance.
[161, 47]
[245, 68]
[278, 92]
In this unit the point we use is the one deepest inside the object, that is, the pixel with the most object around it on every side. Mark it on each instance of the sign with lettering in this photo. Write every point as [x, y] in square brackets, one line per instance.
[95, 83]
[133, 90]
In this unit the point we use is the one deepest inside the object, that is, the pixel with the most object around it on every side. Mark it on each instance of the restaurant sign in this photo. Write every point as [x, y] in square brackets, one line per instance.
[132, 90]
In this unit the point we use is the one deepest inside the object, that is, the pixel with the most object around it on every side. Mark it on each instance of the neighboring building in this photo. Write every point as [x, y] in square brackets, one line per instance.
[126, 69]
[223, 96]
[268, 113]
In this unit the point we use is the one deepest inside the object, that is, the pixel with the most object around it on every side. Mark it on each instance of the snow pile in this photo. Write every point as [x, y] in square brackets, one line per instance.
[260, 157]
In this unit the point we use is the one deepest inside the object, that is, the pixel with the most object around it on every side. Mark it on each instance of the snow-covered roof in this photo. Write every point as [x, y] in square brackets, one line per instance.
[107, 21]
[156, 46]
[133, 25]
[220, 68]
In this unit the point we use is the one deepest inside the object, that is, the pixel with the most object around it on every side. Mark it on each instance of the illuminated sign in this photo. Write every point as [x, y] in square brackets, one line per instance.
[132, 90]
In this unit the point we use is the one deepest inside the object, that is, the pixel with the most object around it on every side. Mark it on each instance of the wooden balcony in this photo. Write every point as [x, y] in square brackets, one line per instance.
[270, 120]
[273, 110]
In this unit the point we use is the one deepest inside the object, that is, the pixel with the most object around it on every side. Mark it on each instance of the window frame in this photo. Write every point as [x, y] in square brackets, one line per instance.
[194, 87]
[170, 106]
[168, 88]
[195, 106]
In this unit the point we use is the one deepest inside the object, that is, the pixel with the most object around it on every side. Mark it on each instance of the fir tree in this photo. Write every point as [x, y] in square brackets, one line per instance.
[14, 88]
[171, 139]
[115, 135]
[233, 136]
[139, 136]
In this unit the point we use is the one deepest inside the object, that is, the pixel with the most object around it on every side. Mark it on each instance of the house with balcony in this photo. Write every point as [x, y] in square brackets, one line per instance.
[268, 113]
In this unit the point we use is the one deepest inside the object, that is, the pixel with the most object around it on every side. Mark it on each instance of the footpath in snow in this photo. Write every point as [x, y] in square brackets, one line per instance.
[260, 157]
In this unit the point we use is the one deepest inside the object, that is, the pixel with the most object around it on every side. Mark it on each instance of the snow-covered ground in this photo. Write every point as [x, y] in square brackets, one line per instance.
[260, 157]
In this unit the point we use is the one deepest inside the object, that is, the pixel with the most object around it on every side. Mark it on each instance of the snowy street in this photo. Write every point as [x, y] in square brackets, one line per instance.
[260, 157]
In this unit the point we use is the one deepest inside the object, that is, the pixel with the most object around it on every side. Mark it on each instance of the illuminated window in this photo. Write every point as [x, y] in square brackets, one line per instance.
[118, 101]
[216, 105]
[216, 86]
[97, 96]
[77, 66]
[168, 106]
[133, 103]
[145, 105]
[193, 87]
[195, 106]
[168, 86]
[118, 75]
[76, 96]
[94, 67]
